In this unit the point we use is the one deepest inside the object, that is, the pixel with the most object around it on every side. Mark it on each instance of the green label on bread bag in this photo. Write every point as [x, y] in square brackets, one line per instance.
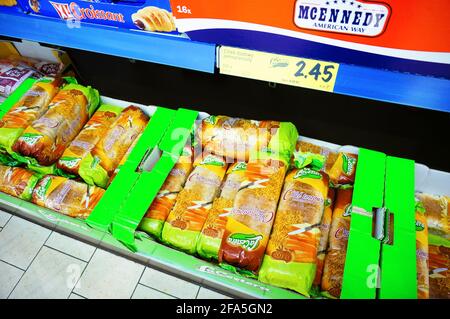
[30, 138]
[41, 190]
[347, 164]
[211, 119]
[242, 166]
[70, 162]
[307, 173]
[419, 225]
[247, 241]
[212, 160]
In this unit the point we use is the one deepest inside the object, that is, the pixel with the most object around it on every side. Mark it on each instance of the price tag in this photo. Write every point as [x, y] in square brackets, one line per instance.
[284, 69]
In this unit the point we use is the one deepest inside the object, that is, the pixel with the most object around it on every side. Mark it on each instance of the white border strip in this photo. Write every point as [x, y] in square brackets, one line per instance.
[194, 24]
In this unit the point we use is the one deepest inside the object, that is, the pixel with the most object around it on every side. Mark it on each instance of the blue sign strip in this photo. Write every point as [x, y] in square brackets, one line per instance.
[162, 49]
[395, 87]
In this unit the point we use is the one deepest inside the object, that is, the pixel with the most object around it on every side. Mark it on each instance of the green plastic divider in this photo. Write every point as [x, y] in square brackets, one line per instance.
[398, 261]
[15, 96]
[103, 214]
[363, 251]
[134, 207]
[178, 133]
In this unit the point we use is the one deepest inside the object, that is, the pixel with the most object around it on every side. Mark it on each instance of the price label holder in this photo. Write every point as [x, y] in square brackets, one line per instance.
[284, 69]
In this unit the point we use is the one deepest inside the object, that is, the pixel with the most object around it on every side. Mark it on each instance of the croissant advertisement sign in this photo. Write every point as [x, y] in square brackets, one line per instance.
[345, 16]
[402, 35]
[144, 15]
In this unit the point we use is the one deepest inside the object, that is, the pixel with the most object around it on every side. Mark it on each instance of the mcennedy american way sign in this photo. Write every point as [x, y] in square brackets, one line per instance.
[343, 16]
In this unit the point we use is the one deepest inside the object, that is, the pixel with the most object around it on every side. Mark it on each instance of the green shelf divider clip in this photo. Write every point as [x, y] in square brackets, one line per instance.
[363, 251]
[133, 209]
[398, 257]
[116, 194]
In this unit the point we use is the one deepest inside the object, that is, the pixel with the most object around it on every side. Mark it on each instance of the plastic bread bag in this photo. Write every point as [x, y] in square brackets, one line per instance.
[344, 168]
[329, 154]
[186, 219]
[325, 226]
[13, 73]
[18, 182]
[123, 160]
[333, 269]
[234, 137]
[8, 160]
[290, 260]
[86, 140]
[156, 215]
[66, 196]
[44, 141]
[250, 221]
[439, 264]
[98, 166]
[210, 238]
[436, 211]
[423, 283]
[32, 105]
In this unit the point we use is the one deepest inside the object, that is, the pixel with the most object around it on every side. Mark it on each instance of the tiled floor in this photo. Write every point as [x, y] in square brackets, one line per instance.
[39, 263]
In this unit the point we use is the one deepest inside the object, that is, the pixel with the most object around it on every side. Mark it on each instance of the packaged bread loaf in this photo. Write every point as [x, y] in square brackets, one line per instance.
[436, 211]
[44, 141]
[186, 219]
[439, 264]
[112, 147]
[156, 215]
[18, 182]
[66, 196]
[234, 137]
[344, 169]
[325, 226]
[124, 159]
[80, 148]
[422, 252]
[290, 260]
[250, 221]
[334, 263]
[32, 105]
[210, 238]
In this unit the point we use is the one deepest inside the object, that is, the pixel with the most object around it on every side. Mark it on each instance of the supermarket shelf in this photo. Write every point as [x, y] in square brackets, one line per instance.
[395, 87]
[162, 49]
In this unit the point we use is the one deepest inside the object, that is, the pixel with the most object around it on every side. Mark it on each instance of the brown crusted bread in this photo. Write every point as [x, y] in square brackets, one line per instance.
[235, 137]
[439, 257]
[436, 211]
[119, 137]
[263, 199]
[66, 196]
[333, 272]
[55, 129]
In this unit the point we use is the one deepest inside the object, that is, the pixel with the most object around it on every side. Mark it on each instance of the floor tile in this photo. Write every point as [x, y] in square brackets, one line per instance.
[4, 217]
[51, 275]
[109, 276]
[9, 277]
[169, 284]
[70, 246]
[143, 292]
[20, 241]
[205, 293]
[75, 296]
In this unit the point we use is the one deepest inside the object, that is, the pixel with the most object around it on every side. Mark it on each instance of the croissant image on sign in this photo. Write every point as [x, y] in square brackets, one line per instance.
[343, 16]
[154, 19]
